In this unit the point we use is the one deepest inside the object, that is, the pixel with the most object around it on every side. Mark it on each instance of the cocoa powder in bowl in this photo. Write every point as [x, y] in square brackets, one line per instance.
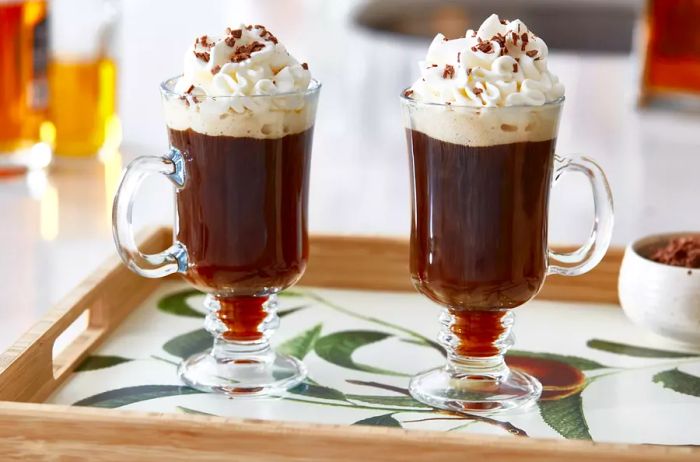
[680, 251]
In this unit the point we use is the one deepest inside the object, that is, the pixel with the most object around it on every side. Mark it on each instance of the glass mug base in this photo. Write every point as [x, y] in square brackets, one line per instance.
[475, 394]
[262, 374]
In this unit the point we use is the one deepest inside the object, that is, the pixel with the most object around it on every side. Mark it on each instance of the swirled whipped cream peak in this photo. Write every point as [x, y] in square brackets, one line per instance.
[241, 83]
[501, 64]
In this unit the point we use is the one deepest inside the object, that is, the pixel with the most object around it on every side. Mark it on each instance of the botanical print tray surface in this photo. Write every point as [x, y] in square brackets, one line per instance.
[361, 348]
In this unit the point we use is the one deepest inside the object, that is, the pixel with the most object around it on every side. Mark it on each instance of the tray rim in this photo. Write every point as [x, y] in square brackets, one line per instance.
[28, 375]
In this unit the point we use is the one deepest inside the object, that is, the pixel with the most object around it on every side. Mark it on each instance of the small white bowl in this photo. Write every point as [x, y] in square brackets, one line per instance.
[663, 298]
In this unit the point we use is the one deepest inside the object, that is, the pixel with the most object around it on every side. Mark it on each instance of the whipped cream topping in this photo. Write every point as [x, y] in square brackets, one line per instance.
[244, 83]
[246, 61]
[501, 64]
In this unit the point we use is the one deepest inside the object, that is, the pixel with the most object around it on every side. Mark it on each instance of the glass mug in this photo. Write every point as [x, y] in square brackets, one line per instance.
[240, 166]
[480, 180]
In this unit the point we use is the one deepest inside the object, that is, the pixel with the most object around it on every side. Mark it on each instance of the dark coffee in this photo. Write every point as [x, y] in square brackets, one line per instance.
[242, 214]
[479, 231]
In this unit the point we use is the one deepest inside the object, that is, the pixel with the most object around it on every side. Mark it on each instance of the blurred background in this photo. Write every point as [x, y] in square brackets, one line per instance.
[79, 99]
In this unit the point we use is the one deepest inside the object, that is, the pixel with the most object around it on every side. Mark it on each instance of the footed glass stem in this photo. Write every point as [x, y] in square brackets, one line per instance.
[241, 361]
[476, 378]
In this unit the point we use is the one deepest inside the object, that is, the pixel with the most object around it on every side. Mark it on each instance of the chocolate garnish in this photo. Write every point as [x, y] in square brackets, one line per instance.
[681, 251]
[514, 38]
[477, 91]
[449, 72]
[230, 41]
[237, 33]
[515, 67]
[189, 90]
[215, 70]
[504, 22]
[408, 93]
[204, 55]
[525, 39]
[305, 66]
[532, 53]
[459, 53]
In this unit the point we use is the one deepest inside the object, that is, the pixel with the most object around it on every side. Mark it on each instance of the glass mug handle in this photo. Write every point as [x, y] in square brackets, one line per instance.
[586, 257]
[157, 265]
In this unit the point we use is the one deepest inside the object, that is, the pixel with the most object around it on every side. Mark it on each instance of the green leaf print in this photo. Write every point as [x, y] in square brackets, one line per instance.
[679, 381]
[129, 395]
[393, 401]
[185, 345]
[566, 417]
[338, 348]
[290, 293]
[637, 351]
[187, 410]
[176, 303]
[288, 311]
[95, 362]
[386, 420]
[318, 391]
[579, 363]
[302, 344]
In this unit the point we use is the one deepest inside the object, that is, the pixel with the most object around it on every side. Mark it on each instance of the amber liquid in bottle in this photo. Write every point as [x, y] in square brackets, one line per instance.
[23, 74]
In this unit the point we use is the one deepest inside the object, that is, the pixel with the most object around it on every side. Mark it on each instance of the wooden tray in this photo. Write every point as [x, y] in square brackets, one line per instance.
[29, 374]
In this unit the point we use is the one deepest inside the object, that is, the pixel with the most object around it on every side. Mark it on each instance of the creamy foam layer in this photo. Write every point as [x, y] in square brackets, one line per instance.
[487, 126]
[218, 119]
[242, 84]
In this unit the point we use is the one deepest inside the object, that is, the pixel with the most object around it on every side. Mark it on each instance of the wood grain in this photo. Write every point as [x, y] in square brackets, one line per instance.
[51, 432]
[371, 263]
[28, 371]
[28, 374]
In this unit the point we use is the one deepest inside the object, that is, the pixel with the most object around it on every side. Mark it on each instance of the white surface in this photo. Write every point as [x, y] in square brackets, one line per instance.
[54, 235]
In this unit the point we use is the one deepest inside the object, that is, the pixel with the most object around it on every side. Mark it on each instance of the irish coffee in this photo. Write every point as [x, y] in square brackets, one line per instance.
[240, 122]
[481, 125]
[242, 213]
[479, 234]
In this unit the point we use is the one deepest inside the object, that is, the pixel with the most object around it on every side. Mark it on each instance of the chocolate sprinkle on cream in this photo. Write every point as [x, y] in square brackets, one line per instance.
[478, 91]
[305, 66]
[189, 90]
[449, 72]
[532, 53]
[515, 67]
[408, 93]
[204, 55]
[215, 70]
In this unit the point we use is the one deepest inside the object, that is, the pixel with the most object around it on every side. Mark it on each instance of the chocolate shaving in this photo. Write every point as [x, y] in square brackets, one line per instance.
[238, 33]
[215, 70]
[230, 41]
[459, 54]
[305, 66]
[681, 251]
[189, 90]
[469, 71]
[433, 65]
[525, 39]
[408, 93]
[243, 52]
[449, 72]
[477, 91]
[204, 55]
[514, 37]
[515, 67]
[532, 53]
[504, 22]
